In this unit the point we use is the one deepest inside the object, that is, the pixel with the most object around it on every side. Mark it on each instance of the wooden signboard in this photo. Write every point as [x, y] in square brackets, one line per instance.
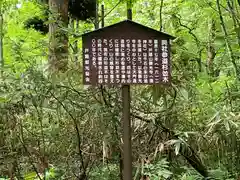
[126, 53]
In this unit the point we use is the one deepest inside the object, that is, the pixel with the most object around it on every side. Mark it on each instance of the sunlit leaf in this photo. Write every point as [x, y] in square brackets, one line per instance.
[30, 176]
[226, 124]
[177, 148]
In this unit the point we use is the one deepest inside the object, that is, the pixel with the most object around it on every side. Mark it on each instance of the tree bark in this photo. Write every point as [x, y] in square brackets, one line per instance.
[1, 40]
[75, 51]
[234, 17]
[160, 18]
[211, 53]
[58, 42]
[228, 46]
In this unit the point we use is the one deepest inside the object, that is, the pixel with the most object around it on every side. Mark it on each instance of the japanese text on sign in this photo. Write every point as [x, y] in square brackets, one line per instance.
[126, 61]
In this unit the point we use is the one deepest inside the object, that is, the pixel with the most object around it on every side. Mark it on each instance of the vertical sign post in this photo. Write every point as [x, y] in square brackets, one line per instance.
[126, 121]
[126, 53]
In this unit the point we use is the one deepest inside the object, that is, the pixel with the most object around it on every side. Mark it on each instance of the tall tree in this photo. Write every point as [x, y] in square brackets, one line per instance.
[227, 42]
[1, 35]
[58, 49]
[1, 39]
[211, 52]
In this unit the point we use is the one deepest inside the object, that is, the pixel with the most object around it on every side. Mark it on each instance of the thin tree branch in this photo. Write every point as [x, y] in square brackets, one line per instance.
[1, 41]
[21, 139]
[199, 60]
[161, 21]
[110, 11]
[187, 152]
[229, 48]
[229, 96]
[77, 132]
[235, 20]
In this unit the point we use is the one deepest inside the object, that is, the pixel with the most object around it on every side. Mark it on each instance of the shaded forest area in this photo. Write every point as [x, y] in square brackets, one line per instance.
[53, 127]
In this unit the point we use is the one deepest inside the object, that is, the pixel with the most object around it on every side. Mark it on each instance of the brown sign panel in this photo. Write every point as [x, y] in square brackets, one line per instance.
[126, 53]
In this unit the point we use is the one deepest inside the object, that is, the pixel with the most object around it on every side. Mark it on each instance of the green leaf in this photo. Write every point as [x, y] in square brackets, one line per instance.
[30, 176]
[177, 148]
[226, 123]
[3, 99]
[233, 123]
[166, 174]
[184, 94]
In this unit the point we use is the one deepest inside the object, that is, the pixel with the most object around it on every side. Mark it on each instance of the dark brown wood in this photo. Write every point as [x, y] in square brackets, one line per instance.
[126, 53]
[102, 15]
[126, 121]
[127, 145]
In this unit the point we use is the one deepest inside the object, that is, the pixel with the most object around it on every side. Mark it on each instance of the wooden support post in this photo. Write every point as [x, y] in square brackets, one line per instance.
[126, 120]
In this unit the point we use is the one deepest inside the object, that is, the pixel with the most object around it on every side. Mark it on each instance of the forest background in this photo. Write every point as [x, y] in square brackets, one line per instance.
[53, 127]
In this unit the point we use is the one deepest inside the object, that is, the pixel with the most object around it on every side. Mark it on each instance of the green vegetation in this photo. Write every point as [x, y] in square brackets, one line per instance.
[53, 127]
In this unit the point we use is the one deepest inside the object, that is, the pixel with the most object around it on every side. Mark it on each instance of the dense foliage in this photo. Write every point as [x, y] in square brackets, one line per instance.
[53, 127]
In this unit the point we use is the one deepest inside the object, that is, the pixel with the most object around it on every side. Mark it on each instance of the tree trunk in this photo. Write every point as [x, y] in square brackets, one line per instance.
[227, 42]
[160, 18]
[58, 42]
[1, 40]
[211, 53]
[236, 23]
[75, 26]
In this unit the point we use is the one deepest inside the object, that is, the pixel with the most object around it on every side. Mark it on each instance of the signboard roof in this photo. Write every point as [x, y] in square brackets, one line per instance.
[127, 24]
